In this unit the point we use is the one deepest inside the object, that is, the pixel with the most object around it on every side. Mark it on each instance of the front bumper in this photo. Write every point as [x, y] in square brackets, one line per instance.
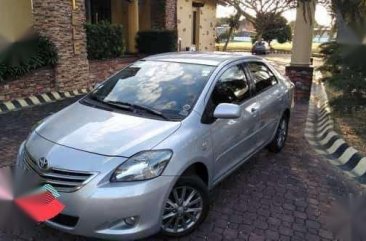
[100, 207]
[101, 211]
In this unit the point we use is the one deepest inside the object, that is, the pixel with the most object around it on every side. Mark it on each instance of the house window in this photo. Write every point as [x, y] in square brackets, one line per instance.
[195, 26]
[98, 11]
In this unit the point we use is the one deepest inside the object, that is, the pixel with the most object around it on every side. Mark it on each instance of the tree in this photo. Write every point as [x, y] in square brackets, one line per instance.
[234, 23]
[222, 37]
[350, 18]
[277, 29]
[222, 21]
[256, 11]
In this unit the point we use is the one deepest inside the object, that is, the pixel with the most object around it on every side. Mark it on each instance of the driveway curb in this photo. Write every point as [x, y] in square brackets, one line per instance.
[320, 133]
[35, 100]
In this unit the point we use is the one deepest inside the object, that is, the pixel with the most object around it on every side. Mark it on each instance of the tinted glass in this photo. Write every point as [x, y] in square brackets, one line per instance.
[232, 87]
[262, 76]
[170, 88]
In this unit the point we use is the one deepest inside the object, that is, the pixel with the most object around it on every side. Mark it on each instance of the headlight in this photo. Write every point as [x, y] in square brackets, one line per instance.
[142, 166]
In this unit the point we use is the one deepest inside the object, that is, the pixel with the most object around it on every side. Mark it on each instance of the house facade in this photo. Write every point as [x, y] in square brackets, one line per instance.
[62, 21]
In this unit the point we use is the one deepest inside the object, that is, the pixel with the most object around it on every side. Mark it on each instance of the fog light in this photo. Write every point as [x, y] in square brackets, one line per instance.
[131, 221]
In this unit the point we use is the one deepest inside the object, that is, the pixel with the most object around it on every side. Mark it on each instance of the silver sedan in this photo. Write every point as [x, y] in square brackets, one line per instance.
[141, 152]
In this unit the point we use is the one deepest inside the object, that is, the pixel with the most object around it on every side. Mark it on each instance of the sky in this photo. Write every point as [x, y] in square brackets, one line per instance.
[321, 14]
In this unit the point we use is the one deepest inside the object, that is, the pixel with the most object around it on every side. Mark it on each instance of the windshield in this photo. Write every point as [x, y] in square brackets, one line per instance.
[168, 88]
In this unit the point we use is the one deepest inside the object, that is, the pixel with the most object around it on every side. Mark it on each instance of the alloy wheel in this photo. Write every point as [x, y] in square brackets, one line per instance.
[282, 133]
[182, 210]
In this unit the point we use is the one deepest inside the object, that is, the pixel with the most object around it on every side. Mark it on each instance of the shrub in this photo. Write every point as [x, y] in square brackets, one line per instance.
[25, 56]
[104, 40]
[345, 68]
[156, 41]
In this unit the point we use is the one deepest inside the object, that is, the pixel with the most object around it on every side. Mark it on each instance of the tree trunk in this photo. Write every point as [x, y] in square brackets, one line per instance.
[231, 31]
[345, 34]
[259, 35]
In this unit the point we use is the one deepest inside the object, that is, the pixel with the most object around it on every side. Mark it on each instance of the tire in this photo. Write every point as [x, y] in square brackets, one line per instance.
[279, 141]
[185, 213]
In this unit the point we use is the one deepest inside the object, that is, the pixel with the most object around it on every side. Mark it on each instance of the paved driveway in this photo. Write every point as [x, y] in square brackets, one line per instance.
[271, 197]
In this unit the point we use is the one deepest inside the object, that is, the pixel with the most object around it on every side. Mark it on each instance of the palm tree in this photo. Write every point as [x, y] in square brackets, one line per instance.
[234, 24]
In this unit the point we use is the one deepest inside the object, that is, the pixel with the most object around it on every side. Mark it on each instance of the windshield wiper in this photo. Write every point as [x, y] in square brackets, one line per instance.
[130, 106]
[120, 105]
[151, 111]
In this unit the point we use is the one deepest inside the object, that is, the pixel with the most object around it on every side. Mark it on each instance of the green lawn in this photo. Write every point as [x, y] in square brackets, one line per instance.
[247, 46]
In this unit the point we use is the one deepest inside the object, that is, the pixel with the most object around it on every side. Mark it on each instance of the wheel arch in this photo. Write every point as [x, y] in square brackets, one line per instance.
[199, 169]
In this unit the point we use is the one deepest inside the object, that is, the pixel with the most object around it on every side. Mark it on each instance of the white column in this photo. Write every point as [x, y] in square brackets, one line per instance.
[303, 36]
[133, 25]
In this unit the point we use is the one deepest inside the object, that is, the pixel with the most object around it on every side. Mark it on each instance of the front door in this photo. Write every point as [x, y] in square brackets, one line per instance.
[267, 91]
[233, 140]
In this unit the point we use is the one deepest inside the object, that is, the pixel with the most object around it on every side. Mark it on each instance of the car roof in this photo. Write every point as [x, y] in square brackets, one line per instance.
[204, 58]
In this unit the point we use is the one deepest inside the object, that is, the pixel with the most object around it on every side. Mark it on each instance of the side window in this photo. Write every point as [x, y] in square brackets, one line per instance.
[262, 76]
[232, 87]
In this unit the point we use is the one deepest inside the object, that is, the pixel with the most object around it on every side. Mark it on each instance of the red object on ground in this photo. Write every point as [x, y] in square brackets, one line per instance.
[41, 207]
[5, 194]
[6, 187]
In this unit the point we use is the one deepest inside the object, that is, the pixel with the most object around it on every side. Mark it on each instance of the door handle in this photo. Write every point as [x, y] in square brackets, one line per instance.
[253, 110]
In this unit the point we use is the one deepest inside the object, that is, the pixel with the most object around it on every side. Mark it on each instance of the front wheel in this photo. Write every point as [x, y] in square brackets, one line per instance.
[280, 138]
[187, 206]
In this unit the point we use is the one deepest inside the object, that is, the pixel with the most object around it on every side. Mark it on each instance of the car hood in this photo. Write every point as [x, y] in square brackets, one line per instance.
[104, 132]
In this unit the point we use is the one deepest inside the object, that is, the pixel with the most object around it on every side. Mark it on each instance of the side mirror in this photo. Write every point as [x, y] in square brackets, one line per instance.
[227, 111]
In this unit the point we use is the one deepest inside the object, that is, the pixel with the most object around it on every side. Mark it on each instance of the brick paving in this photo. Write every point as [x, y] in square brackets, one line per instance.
[285, 196]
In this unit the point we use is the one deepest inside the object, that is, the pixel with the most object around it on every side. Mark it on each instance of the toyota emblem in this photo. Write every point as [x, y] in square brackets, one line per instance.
[43, 163]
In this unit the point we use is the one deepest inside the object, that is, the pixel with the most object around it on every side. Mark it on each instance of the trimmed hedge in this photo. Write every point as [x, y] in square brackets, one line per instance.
[25, 56]
[156, 41]
[104, 40]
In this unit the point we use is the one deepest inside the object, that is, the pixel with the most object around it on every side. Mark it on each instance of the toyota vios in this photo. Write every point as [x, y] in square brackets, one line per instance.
[139, 154]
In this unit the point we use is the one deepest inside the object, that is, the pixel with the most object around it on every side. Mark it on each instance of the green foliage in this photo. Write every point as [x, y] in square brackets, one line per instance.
[345, 68]
[285, 35]
[275, 27]
[104, 40]
[156, 41]
[222, 37]
[25, 56]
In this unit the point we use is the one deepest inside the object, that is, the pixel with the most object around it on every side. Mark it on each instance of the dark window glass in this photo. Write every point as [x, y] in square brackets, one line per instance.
[170, 88]
[194, 27]
[99, 11]
[232, 87]
[262, 76]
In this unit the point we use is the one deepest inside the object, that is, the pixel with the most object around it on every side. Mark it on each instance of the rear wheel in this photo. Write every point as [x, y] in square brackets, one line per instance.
[280, 138]
[187, 206]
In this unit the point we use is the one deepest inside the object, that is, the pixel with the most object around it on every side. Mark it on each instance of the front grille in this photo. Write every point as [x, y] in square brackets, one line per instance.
[61, 180]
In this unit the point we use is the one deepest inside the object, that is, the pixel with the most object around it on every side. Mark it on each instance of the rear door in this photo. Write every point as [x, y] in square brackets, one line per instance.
[233, 140]
[268, 94]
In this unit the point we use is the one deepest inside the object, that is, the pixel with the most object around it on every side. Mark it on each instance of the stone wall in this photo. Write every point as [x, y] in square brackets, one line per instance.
[171, 14]
[102, 69]
[43, 80]
[63, 24]
[38, 82]
[302, 77]
[164, 14]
